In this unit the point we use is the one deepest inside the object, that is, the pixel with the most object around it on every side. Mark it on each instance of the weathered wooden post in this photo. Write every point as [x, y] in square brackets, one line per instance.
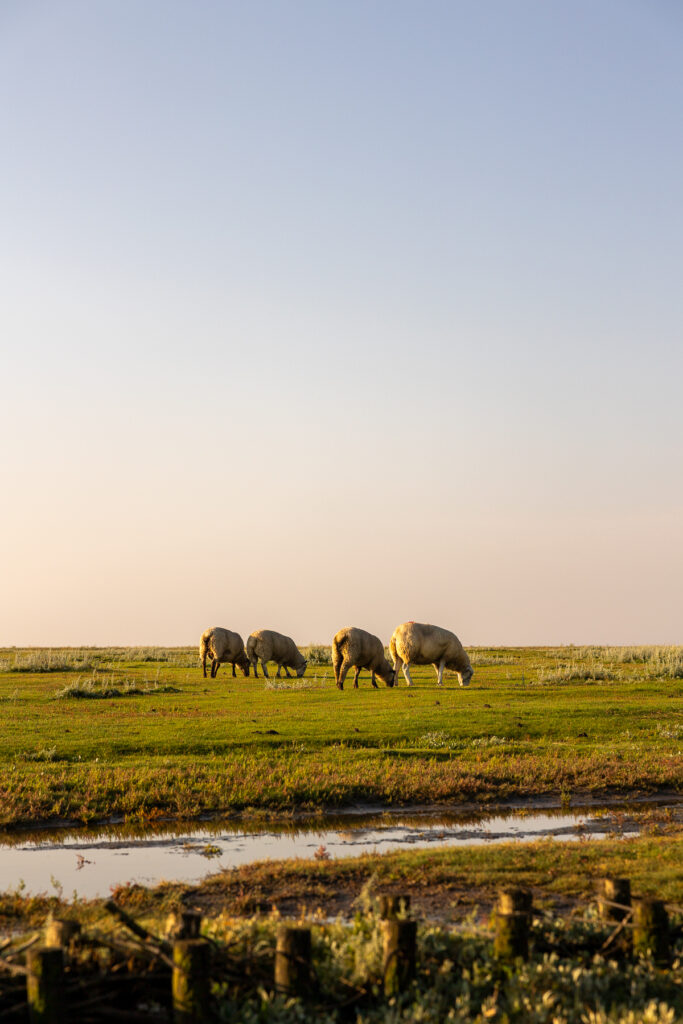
[511, 939]
[400, 946]
[59, 932]
[183, 924]
[392, 906]
[45, 986]
[651, 930]
[611, 891]
[293, 974]
[617, 891]
[190, 984]
[515, 901]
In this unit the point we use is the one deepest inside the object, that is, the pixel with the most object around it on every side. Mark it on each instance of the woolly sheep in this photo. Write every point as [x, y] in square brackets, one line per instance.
[420, 644]
[267, 645]
[353, 646]
[222, 645]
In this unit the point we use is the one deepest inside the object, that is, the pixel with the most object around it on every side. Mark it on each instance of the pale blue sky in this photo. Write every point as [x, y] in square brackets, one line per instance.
[318, 314]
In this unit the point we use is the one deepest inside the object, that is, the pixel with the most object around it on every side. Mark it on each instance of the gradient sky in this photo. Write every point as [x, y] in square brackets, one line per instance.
[318, 314]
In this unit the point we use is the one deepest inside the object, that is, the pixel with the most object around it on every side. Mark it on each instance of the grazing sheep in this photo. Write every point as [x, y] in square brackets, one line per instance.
[222, 645]
[267, 645]
[421, 644]
[353, 646]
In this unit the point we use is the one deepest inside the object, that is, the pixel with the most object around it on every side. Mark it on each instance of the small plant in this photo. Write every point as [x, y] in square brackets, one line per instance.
[437, 740]
[318, 655]
[291, 684]
[96, 688]
[49, 661]
[48, 754]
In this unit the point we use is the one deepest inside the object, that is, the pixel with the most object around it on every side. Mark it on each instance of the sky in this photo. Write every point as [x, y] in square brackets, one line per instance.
[318, 314]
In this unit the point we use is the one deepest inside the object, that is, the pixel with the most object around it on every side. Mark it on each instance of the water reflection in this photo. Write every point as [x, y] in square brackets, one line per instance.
[90, 861]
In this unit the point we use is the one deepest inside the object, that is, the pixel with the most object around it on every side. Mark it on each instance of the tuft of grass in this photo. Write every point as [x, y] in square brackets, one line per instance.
[47, 661]
[94, 688]
[574, 673]
[317, 654]
[292, 684]
[488, 658]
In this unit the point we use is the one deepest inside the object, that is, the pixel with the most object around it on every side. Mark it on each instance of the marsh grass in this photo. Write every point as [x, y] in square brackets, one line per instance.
[657, 662]
[191, 745]
[594, 672]
[568, 979]
[95, 687]
[317, 655]
[485, 658]
[47, 660]
[293, 684]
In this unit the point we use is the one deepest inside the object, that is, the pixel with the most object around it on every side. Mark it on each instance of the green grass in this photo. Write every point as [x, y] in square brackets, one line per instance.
[190, 745]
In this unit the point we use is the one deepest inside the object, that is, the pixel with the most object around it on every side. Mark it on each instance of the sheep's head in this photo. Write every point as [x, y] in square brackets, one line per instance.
[244, 664]
[386, 674]
[465, 676]
[301, 669]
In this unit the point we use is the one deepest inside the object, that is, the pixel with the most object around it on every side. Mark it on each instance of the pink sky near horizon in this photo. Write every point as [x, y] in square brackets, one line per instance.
[341, 315]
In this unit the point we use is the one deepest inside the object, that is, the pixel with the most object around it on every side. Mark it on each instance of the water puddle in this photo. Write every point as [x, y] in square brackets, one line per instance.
[90, 862]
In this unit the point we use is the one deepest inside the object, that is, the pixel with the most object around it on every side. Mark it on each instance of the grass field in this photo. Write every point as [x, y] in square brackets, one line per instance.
[92, 733]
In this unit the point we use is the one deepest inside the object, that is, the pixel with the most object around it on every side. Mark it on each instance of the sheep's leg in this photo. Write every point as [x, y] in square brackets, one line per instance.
[372, 680]
[279, 666]
[264, 666]
[439, 671]
[204, 665]
[406, 673]
[255, 667]
[346, 665]
[355, 677]
[234, 673]
[214, 667]
[287, 672]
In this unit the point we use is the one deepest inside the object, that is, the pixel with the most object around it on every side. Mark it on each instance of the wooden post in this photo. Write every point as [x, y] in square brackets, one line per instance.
[183, 924]
[190, 985]
[400, 943]
[293, 961]
[45, 986]
[511, 939]
[392, 906]
[614, 890]
[651, 930]
[515, 901]
[60, 932]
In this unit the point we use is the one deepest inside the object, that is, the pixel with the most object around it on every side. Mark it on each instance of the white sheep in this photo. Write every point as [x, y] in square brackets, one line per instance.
[222, 645]
[420, 644]
[267, 645]
[353, 646]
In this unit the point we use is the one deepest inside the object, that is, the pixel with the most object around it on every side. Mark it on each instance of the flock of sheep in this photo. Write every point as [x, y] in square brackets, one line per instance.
[412, 643]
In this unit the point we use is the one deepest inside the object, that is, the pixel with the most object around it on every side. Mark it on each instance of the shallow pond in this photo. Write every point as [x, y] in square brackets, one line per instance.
[90, 862]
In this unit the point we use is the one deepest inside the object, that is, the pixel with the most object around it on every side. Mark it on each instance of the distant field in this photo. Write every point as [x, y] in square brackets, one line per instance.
[91, 733]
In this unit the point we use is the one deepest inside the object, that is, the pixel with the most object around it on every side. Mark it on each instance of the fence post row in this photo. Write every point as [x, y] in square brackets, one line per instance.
[45, 981]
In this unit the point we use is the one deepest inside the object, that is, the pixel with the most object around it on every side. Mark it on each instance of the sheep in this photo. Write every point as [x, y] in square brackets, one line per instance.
[353, 646]
[422, 644]
[222, 645]
[267, 645]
